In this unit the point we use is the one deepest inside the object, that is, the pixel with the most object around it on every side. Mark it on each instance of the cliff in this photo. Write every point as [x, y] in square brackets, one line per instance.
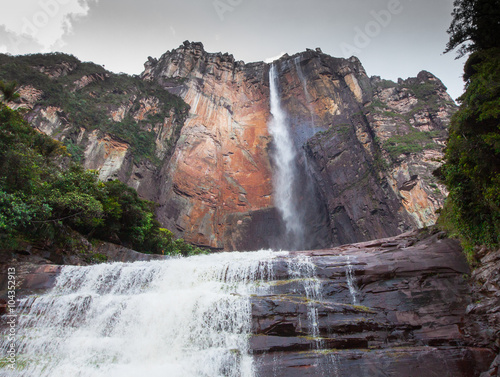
[116, 124]
[366, 147]
[391, 307]
[369, 145]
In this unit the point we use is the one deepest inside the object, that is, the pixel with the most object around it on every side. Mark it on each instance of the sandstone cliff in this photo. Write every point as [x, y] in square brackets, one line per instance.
[370, 145]
[366, 146]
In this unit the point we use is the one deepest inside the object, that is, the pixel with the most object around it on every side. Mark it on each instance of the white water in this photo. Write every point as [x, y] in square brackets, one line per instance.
[187, 317]
[304, 269]
[285, 162]
[177, 318]
[351, 282]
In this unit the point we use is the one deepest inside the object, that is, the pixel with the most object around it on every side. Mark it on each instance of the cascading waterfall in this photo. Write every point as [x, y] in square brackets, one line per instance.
[177, 318]
[351, 283]
[284, 160]
[187, 317]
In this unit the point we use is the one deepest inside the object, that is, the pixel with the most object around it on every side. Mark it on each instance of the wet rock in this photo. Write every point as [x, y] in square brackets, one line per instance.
[402, 314]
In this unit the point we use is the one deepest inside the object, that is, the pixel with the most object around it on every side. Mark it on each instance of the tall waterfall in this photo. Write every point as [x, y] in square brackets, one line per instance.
[286, 173]
[178, 318]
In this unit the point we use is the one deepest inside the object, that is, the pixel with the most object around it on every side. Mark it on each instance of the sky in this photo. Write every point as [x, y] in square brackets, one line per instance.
[392, 38]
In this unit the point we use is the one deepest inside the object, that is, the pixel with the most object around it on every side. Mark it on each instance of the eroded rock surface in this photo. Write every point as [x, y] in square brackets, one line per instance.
[369, 145]
[393, 307]
[366, 146]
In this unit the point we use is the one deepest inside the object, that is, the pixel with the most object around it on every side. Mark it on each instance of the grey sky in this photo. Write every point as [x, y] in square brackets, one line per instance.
[392, 38]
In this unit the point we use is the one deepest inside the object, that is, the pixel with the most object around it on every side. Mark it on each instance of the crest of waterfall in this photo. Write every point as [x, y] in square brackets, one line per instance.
[286, 170]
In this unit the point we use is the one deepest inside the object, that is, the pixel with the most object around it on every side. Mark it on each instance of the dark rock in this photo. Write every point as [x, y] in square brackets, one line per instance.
[405, 317]
[414, 362]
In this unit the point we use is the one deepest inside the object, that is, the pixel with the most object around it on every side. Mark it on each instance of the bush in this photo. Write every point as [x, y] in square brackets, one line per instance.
[413, 142]
[472, 164]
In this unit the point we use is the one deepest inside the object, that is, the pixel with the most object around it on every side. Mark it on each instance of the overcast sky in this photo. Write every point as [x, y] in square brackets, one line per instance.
[392, 38]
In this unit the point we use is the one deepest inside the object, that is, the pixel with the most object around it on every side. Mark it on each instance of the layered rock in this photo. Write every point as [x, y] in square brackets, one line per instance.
[371, 145]
[483, 325]
[375, 143]
[366, 147]
[220, 172]
[393, 307]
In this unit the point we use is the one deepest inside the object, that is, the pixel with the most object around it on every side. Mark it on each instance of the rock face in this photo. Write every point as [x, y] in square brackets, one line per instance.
[370, 145]
[483, 325]
[220, 172]
[392, 307]
[378, 145]
[366, 147]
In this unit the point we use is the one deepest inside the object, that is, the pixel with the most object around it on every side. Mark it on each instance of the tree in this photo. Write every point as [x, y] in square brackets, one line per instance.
[475, 26]
[9, 91]
[471, 170]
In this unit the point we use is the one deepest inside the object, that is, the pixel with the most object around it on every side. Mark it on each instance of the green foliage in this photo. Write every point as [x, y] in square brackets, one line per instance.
[98, 258]
[472, 164]
[423, 91]
[413, 142]
[74, 150]
[386, 84]
[38, 199]
[91, 106]
[9, 91]
[475, 26]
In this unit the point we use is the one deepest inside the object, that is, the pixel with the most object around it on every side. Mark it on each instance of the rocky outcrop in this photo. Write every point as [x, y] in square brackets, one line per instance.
[55, 71]
[392, 307]
[36, 269]
[367, 146]
[220, 173]
[398, 306]
[371, 145]
[89, 79]
[375, 143]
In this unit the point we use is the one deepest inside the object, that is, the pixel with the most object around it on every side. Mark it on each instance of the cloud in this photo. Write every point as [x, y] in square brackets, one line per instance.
[272, 59]
[44, 22]
[16, 44]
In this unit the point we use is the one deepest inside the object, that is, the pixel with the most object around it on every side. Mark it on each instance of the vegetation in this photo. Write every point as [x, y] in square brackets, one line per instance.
[412, 142]
[40, 201]
[472, 165]
[9, 91]
[90, 106]
[475, 26]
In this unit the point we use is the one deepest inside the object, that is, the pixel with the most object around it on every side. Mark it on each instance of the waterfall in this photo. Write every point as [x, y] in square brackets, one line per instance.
[351, 283]
[304, 269]
[284, 159]
[177, 318]
[186, 317]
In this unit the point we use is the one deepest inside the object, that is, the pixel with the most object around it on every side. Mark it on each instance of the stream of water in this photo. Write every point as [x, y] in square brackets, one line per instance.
[286, 172]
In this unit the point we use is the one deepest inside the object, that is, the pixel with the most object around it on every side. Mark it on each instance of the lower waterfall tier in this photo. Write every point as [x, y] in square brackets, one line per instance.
[392, 307]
